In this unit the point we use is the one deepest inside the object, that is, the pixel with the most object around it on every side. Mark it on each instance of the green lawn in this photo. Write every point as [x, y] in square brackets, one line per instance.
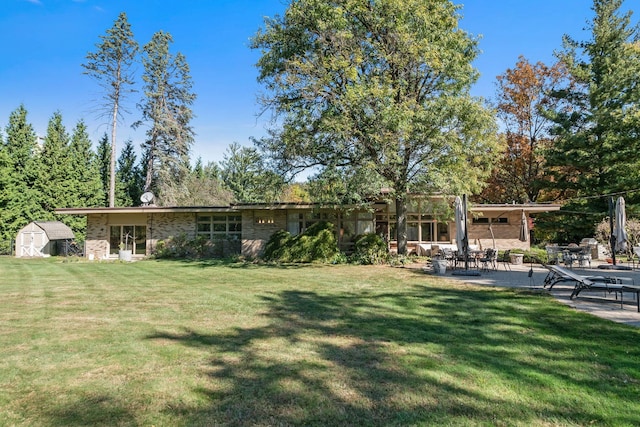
[170, 343]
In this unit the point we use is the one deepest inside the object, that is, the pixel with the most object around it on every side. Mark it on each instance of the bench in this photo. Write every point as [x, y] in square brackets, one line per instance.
[609, 284]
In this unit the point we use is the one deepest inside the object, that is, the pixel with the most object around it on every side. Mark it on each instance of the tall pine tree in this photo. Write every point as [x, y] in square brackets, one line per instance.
[54, 180]
[129, 177]
[166, 111]
[598, 119]
[104, 162]
[111, 65]
[84, 177]
[20, 200]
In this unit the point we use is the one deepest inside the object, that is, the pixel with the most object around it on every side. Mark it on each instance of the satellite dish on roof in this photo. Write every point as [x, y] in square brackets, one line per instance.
[146, 198]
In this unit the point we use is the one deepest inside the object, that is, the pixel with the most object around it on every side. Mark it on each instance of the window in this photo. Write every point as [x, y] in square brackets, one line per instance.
[485, 220]
[219, 226]
[298, 222]
[264, 220]
[422, 222]
[130, 237]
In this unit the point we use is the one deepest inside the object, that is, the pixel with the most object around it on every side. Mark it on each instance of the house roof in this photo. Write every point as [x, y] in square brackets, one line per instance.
[146, 209]
[55, 230]
[529, 208]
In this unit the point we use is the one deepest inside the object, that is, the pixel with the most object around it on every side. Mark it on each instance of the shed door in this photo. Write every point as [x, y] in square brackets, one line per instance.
[31, 243]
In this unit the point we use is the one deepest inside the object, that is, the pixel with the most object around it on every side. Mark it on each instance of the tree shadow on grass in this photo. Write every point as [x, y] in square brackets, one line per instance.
[416, 357]
[92, 409]
[239, 264]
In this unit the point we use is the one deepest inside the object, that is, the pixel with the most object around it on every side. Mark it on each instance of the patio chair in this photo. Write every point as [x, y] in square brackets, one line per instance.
[568, 258]
[505, 259]
[489, 259]
[552, 254]
[584, 257]
[636, 253]
[449, 256]
[470, 261]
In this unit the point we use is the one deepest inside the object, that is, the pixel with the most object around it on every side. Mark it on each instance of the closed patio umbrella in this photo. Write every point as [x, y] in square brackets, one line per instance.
[461, 224]
[524, 228]
[462, 238]
[619, 232]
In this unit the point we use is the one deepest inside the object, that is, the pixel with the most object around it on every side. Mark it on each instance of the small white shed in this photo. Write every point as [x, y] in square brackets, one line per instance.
[42, 238]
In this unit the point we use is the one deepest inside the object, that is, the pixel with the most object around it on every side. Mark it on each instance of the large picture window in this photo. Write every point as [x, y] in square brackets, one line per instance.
[220, 226]
[298, 222]
[422, 226]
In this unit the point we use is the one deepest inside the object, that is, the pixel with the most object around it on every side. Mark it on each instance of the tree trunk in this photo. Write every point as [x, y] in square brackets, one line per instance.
[401, 225]
[112, 162]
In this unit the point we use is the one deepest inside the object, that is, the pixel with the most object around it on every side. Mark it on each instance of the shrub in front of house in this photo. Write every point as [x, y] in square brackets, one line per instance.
[316, 244]
[181, 247]
[370, 249]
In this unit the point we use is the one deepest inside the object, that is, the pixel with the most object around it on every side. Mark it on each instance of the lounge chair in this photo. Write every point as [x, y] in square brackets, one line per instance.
[608, 284]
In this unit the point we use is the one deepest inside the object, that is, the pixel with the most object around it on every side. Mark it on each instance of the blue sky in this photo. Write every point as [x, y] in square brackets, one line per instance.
[44, 43]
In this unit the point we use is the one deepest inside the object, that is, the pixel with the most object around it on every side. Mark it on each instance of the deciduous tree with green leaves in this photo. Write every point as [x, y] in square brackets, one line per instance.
[598, 119]
[166, 111]
[377, 84]
[112, 66]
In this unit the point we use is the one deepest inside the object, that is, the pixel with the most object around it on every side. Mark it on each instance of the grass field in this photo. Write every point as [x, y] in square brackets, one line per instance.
[170, 343]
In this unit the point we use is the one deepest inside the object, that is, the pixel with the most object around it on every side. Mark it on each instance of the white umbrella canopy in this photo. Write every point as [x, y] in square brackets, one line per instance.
[618, 228]
[524, 228]
[461, 224]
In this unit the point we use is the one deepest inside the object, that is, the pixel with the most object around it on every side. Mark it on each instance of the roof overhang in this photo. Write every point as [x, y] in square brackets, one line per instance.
[146, 210]
[529, 208]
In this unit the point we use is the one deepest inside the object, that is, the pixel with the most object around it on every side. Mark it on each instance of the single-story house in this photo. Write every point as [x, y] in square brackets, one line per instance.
[42, 239]
[245, 228]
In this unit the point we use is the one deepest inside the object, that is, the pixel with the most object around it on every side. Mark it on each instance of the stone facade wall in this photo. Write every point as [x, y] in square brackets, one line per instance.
[97, 240]
[260, 224]
[257, 227]
[161, 226]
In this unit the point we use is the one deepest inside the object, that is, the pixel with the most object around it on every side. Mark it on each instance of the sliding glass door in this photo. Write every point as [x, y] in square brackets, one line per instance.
[130, 237]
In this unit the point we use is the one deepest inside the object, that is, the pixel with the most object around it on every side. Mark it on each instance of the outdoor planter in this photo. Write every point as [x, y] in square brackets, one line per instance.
[439, 266]
[124, 255]
[516, 259]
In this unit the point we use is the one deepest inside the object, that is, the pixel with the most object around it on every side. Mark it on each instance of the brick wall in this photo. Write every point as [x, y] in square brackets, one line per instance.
[97, 241]
[506, 235]
[161, 226]
[257, 227]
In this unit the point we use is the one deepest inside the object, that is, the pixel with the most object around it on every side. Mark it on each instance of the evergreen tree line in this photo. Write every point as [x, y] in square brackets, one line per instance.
[62, 170]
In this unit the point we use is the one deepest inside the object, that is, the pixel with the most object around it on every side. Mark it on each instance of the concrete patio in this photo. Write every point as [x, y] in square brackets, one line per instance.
[590, 302]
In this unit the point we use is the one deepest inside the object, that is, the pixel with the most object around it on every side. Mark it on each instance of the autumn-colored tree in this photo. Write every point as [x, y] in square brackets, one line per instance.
[522, 98]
